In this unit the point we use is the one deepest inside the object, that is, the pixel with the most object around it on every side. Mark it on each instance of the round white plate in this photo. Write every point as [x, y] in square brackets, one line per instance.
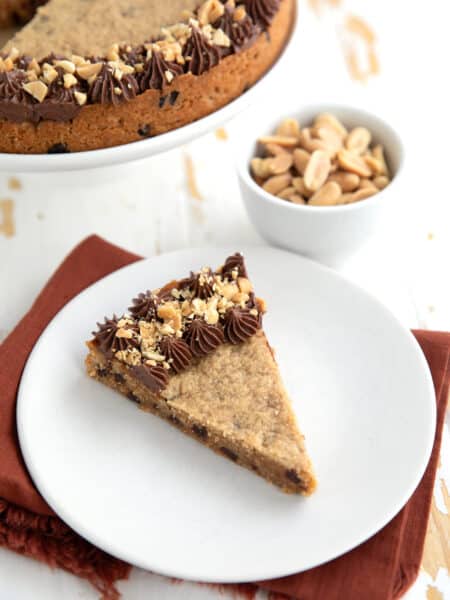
[144, 492]
[46, 163]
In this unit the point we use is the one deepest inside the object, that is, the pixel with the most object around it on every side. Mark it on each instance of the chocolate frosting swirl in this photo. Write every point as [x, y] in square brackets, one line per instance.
[202, 337]
[23, 62]
[239, 325]
[145, 306]
[104, 88]
[60, 103]
[177, 353]
[155, 378]
[165, 293]
[252, 304]
[153, 77]
[132, 55]
[15, 104]
[107, 340]
[200, 55]
[235, 262]
[200, 284]
[241, 33]
[262, 11]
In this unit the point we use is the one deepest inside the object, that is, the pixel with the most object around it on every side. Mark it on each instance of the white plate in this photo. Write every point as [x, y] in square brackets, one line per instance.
[46, 163]
[145, 492]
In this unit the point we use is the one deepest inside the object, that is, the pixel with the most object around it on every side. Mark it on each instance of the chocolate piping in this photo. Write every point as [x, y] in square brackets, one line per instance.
[127, 338]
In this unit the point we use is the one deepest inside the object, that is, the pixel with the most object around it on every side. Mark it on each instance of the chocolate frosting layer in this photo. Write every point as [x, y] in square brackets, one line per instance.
[144, 306]
[107, 89]
[15, 104]
[187, 318]
[200, 55]
[154, 75]
[199, 284]
[241, 33]
[132, 55]
[107, 340]
[60, 103]
[235, 262]
[154, 378]
[203, 338]
[176, 352]
[239, 325]
[262, 11]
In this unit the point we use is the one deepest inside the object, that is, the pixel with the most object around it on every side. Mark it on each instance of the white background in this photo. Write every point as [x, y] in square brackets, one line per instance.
[147, 207]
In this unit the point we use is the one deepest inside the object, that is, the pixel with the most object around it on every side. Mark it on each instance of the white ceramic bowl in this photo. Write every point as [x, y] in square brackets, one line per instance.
[329, 234]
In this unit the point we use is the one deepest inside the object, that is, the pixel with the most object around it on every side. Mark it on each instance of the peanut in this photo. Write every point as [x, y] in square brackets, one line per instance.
[375, 165]
[317, 170]
[289, 128]
[348, 181]
[331, 122]
[280, 164]
[301, 188]
[280, 140]
[353, 163]
[297, 199]
[275, 184]
[328, 195]
[332, 139]
[378, 153]
[260, 167]
[274, 149]
[210, 11]
[301, 159]
[358, 140]
[381, 181]
[361, 194]
[287, 193]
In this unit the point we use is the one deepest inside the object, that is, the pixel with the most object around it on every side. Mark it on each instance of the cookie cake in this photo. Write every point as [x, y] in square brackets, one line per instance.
[93, 74]
[195, 354]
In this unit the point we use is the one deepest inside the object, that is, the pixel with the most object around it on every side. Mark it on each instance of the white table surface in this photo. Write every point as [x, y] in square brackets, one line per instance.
[148, 207]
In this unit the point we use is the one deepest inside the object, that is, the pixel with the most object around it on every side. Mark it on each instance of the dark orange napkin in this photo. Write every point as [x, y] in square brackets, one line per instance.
[380, 569]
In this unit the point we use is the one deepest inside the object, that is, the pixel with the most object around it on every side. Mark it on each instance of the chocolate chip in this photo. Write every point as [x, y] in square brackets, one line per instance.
[118, 378]
[292, 475]
[247, 86]
[200, 431]
[145, 130]
[58, 148]
[162, 101]
[229, 453]
[102, 372]
[173, 97]
[133, 397]
[174, 419]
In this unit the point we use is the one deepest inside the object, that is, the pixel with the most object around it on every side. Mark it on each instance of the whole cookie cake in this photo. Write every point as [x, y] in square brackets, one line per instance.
[87, 75]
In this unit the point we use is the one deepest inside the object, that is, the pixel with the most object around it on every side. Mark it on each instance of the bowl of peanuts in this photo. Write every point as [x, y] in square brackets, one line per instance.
[321, 181]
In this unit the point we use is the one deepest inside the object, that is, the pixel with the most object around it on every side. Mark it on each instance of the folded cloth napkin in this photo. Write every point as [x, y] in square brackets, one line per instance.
[380, 569]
